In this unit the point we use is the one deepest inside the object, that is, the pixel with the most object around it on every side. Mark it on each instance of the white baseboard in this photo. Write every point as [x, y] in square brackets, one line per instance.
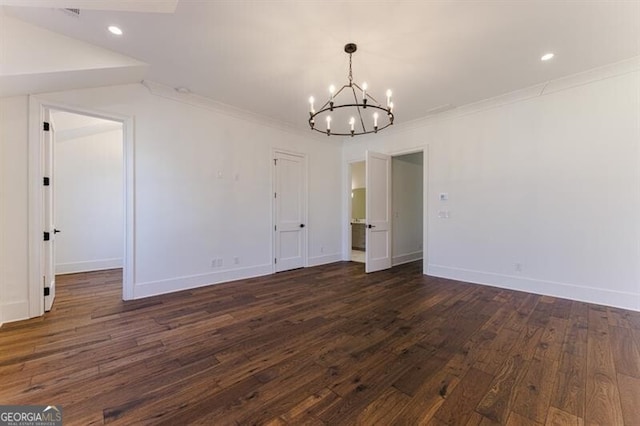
[154, 288]
[406, 258]
[14, 311]
[88, 266]
[618, 299]
[323, 260]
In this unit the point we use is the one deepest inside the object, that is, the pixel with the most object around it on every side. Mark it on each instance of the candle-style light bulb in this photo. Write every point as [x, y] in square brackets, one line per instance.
[311, 100]
[390, 106]
[352, 122]
[328, 122]
[375, 119]
[388, 97]
[364, 91]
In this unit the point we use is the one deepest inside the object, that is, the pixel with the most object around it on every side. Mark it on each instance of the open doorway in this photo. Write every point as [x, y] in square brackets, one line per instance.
[358, 216]
[388, 227]
[88, 198]
[407, 189]
[84, 193]
[42, 212]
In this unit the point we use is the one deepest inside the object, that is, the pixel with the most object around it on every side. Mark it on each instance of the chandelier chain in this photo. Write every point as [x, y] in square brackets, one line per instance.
[350, 72]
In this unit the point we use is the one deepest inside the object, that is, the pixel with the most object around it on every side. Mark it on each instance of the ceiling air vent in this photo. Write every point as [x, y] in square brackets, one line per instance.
[72, 12]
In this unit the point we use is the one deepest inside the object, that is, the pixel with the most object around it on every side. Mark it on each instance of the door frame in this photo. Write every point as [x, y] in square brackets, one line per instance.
[37, 108]
[425, 198]
[305, 200]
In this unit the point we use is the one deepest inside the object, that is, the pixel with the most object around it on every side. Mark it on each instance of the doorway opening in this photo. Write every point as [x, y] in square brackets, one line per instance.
[358, 212]
[386, 210]
[80, 196]
[88, 186]
[407, 201]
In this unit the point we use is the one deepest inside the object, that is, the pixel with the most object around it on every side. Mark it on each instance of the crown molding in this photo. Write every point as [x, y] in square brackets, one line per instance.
[613, 70]
[193, 99]
[444, 112]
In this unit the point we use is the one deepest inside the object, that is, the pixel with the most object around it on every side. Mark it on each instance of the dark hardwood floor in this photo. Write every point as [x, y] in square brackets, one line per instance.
[325, 345]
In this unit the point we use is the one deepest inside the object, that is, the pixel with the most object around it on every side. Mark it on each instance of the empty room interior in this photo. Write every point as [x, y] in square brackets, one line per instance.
[306, 212]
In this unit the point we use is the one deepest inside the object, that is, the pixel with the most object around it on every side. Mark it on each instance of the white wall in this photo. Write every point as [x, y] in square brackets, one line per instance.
[407, 201]
[202, 189]
[89, 206]
[543, 184]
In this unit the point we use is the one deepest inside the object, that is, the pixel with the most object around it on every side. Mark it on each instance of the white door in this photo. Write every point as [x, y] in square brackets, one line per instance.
[49, 278]
[289, 211]
[378, 208]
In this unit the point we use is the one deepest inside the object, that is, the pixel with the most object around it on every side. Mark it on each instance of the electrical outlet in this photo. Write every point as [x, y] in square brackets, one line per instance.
[236, 260]
[518, 267]
[321, 249]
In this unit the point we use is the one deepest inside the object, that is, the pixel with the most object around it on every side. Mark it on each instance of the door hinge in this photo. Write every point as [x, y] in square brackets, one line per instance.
[275, 227]
[47, 291]
[45, 126]
[46, 236]
[275, 261]
[275, 161]
[45, 181]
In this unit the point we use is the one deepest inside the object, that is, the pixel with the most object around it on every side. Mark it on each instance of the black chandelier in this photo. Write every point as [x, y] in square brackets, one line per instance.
[361, 102]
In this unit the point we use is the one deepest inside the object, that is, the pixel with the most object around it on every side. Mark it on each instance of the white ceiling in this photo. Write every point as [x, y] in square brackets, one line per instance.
[268, 57]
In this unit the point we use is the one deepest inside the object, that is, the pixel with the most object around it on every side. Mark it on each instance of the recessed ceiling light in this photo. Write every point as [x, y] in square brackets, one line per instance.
[546, 56]
[115, 30]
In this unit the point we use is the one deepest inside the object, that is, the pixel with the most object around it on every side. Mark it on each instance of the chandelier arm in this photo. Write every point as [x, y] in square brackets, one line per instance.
[339, 91]
[355, 98]
[326, 104]
[368, 95]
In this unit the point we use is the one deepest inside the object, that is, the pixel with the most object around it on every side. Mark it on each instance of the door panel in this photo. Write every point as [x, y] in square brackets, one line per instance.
[290, 211]
[378, 207]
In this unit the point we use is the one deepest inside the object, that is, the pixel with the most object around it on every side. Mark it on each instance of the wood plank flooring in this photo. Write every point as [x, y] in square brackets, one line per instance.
[325, 345]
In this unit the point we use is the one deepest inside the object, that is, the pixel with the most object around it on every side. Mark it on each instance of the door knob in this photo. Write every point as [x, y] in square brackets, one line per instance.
[302, 225]
[55, 231]
[371, 226]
